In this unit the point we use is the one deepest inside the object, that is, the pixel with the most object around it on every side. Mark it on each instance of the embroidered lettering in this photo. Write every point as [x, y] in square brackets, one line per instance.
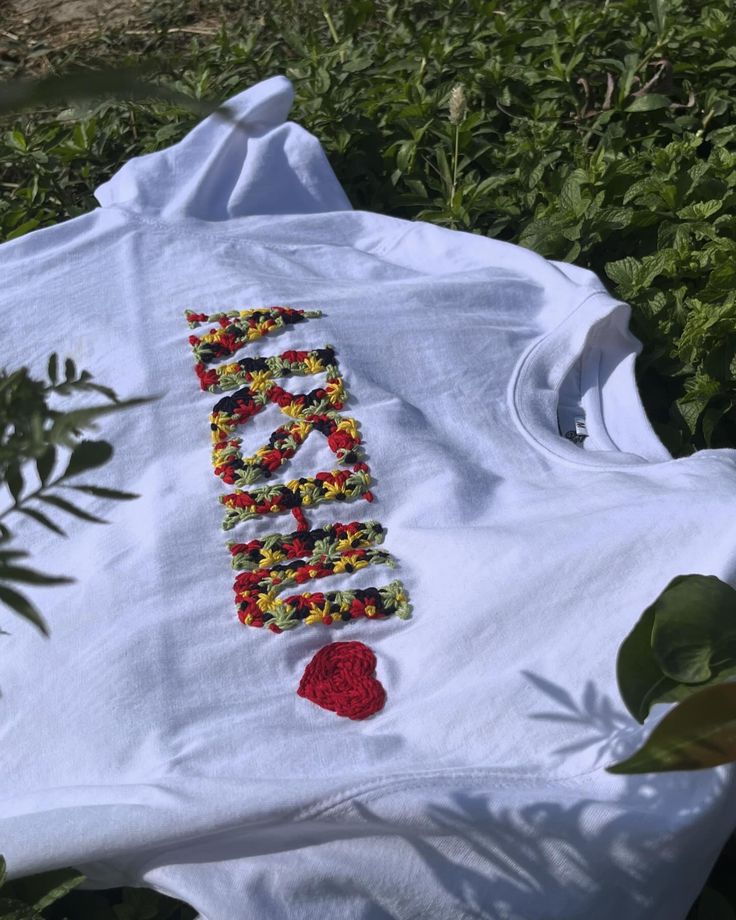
[269, 566]
[280, 560]
[238, 328]
[316, 410]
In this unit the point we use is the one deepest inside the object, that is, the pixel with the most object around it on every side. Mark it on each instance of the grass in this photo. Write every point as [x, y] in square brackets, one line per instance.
[596, 132]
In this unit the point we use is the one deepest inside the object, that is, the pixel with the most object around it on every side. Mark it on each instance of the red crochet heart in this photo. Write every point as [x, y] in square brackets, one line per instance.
[339, 678]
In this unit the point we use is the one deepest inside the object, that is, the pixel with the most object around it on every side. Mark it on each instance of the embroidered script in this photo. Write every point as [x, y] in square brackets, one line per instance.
[267, 567]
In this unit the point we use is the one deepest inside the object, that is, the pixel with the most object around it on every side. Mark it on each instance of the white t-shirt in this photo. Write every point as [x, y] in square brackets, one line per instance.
[155, 739]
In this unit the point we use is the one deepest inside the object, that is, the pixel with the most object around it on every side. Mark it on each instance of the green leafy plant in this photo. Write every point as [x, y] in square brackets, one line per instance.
[34, 435]
[26, 900]
[683, 649]
[56, 895]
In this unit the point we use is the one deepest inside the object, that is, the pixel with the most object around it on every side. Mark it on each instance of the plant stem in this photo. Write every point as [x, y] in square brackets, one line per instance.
[454, 171]
[331, 27]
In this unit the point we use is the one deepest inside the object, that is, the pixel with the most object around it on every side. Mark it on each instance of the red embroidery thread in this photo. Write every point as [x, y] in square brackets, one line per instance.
[340, 678]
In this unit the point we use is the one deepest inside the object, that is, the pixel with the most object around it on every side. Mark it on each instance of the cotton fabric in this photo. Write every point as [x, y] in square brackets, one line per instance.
[154, 740]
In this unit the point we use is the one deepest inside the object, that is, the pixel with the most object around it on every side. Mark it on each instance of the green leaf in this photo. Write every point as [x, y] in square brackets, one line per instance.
[45, 463]
[3, 871]
[700, 210]
[41, 518]
[102, 492]
[46, 888]
[698, 733]
[14, 480]
[624, 272]
[690, 410]
[20, 230]
[616, 218]
[13, 909]
[685, 637]
[87, 455]
[21, 605]
[648, 103]
[640, 679]
[70, 370]
[64, 505]
[658, 10]
[694, 626]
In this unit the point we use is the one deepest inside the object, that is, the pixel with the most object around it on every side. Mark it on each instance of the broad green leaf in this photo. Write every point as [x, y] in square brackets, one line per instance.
[648, 103]
[641, 682]
[17, 139]
[690, 410]
[616, 217]
[653, 266]
[684, 638]
[102, 492]
[658, 10]
[87, 455]
[20, 230]
[624, 272]
[694, 628]
[63, 505]
[700, 210]
[41, 518]
[571, 198]
[21, 605]
[700, 732]
[70, 370]
[45, 463]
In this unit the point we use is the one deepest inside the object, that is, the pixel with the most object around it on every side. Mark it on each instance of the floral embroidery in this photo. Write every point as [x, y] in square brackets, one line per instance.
[336, 485]
[238, 328]
[280, 560]
[258, 371]
[266, 567]
[340, 678]
[258, 604]
[319, 545]
[316, 410]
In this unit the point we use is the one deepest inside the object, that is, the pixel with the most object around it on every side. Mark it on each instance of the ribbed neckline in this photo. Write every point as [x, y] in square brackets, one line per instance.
[610, 391]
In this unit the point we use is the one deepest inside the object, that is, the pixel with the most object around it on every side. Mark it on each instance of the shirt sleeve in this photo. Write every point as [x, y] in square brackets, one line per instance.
[256, 162]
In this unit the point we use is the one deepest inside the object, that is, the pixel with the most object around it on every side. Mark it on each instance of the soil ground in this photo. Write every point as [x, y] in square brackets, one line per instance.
[68, 11]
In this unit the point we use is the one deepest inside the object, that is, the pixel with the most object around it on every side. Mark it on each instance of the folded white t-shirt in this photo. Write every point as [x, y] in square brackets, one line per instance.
[159, 739]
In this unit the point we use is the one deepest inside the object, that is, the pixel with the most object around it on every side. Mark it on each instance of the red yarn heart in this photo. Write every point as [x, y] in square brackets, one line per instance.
[339, 678]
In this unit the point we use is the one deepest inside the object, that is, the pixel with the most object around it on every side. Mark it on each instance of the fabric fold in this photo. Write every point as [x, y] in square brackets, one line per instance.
[255, 163]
